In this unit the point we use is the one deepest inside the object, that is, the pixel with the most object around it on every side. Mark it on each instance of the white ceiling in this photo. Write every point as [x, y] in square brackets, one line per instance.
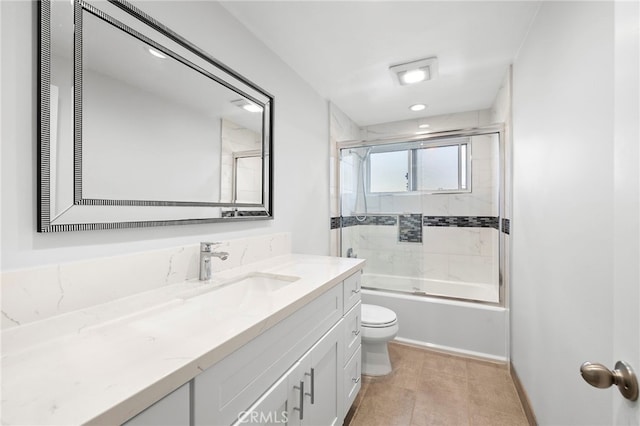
[344, 49]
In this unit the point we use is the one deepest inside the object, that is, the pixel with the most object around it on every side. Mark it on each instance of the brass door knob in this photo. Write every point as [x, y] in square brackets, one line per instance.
[622, 376]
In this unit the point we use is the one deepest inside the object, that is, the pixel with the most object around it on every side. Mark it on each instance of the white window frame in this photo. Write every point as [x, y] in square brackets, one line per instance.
[412, 148]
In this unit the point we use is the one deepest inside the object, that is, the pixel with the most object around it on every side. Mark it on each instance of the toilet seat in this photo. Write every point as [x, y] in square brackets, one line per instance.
[374, 316]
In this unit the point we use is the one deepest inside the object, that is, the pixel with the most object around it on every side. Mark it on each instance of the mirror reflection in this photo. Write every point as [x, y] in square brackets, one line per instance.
[145, 122]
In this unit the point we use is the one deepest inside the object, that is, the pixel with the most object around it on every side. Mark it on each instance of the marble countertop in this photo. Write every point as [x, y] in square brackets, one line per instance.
[105, 363]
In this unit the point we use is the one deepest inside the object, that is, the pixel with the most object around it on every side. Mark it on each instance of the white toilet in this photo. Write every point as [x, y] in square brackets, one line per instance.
[379, 325]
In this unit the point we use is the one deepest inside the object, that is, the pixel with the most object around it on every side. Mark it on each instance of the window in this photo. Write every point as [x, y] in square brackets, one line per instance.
[389, 171]
[421, 166]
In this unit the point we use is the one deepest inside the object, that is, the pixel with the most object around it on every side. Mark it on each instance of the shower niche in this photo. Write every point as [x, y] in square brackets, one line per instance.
[425, 212]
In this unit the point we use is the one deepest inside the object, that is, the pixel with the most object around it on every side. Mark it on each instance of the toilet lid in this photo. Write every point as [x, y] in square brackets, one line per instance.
[377, 316]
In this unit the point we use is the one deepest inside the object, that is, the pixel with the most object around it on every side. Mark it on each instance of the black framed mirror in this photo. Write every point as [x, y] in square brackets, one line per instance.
[139, 127]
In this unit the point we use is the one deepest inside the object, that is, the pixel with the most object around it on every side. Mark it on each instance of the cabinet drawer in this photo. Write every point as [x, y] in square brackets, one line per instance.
[351, 287]
[352, 332]
[232, 385]
[352, 379]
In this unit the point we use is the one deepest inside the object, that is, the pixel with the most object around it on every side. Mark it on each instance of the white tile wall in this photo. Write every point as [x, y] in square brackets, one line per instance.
[447, 253]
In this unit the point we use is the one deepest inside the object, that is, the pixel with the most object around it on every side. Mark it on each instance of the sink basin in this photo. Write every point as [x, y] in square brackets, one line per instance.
[259, 281]
[250, 290]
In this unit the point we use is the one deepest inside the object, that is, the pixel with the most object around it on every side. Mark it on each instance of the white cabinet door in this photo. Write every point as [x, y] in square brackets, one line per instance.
[352, 379]
[273, 408]
[172, 410]
[323, 402]
[352, 332]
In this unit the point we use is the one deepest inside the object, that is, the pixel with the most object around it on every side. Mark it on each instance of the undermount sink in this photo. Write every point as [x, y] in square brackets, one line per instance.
[245, 290]
[260, 281]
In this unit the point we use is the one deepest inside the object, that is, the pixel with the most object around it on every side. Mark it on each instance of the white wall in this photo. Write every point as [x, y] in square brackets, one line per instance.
[177, 146]
[300, 138]
[561, 299]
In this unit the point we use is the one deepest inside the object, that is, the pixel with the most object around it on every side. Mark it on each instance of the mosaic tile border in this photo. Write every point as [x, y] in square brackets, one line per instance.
[462, 221]
[347, 221]
[506, 226]
[410, 228]
[448, 221]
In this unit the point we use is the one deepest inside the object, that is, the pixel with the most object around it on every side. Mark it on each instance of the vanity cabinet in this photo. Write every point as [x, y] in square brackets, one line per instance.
[306, 393]
[225, 391]
[305, 370]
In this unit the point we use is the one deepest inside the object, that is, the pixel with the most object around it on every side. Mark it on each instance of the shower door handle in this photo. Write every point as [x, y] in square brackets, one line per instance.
[599, 376]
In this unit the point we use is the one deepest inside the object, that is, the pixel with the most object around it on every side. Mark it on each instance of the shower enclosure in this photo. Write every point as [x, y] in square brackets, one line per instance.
[425, 213]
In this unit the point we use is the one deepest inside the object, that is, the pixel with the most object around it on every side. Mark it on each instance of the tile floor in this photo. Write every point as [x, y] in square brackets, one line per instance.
[430, 388]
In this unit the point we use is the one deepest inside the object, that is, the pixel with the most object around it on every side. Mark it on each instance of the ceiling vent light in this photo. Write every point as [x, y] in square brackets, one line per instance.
[417, 107]
[415, 71]
[157, 54]
[246, 105]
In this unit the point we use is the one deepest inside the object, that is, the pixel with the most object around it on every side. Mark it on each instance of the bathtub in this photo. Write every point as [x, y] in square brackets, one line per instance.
[429, 287]
[466, 328]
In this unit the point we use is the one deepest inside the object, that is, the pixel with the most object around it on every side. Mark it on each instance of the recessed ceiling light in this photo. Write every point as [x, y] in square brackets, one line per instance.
[157, 54]
[415, 71]
[246, 105]
[252, 107]
[417, 107]
[423, 126]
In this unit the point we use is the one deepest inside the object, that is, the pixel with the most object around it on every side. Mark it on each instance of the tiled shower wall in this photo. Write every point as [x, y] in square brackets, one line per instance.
[446, 253]
[452, 237]
[460, 235]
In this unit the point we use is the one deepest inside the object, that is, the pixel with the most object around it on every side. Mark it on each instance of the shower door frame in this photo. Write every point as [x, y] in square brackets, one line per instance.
[498, 129]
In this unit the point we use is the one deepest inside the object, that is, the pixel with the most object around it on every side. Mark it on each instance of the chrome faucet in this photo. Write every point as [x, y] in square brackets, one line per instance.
[206, 253]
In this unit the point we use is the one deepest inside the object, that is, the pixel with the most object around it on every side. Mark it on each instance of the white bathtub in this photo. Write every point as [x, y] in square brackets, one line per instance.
[429, 287]
[466, 328]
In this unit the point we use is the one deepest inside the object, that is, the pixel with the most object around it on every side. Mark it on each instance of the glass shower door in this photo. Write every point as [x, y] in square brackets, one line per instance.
[425, 215]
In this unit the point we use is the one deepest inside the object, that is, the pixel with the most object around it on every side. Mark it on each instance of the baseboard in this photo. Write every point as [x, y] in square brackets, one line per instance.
[522, 394]
[453, 351]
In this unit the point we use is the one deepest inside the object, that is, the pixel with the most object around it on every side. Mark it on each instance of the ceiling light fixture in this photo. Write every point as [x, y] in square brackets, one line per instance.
[157, 54]
[415, 71]
[252, 108]
[423, 126]
[246, 105]
[417, 107]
